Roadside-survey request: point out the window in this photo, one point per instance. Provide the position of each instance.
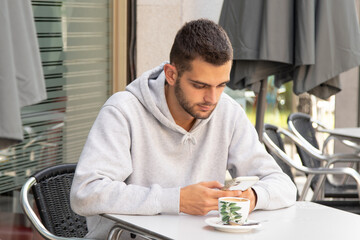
(74, 38)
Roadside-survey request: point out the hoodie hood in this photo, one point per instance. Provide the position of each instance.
(149, 89)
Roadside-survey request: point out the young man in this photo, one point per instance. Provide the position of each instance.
(164, 144)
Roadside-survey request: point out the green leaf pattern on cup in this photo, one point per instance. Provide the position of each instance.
(229, 213)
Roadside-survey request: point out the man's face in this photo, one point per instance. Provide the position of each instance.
(198, 91)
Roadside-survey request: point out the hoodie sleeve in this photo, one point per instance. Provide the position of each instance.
(248, 157)
(104, 165)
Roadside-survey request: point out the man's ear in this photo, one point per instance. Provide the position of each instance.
(171, 74)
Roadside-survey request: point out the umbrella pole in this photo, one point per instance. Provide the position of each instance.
(260, 108)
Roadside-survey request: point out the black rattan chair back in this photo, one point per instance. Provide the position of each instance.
(52, 198)
(302, 124)
(271, 131)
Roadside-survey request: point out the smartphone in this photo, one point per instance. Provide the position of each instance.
(241, 183)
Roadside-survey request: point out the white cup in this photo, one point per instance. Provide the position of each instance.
(234, 210)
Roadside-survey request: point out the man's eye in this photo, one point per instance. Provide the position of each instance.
(198, 86)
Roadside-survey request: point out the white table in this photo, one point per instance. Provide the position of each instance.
(304, 220)
(351, 134)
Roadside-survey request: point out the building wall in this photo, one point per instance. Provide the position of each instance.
(347, 101)
(347, 108)
(157, 24)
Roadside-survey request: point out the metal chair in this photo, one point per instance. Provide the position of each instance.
(304, 128)
(271, 132)
(274, 144)
(51, 189)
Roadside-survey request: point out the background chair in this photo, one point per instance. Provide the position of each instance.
(51, 189)
(303, 127)
(271, 132)
(274, 144)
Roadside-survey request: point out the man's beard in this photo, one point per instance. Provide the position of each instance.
(180, 96)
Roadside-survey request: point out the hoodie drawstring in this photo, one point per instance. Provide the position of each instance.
(189, 138)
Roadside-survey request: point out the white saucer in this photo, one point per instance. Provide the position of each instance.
(218, 225)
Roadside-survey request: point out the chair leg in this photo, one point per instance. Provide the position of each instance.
(306, 187)
(346, 177)
(317, 191)
(115, 233)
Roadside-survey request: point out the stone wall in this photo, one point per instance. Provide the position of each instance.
(159, 20)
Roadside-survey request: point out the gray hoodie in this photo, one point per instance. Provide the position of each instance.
(136, 158)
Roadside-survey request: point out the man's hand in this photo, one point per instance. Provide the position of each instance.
(251, 195)
(200, 198)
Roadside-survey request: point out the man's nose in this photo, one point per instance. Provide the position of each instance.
(211, 96)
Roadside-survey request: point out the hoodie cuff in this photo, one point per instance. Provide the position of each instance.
(263, 197)
(170, 200)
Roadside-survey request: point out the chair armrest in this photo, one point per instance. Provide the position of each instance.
(345, 142)
(322, 128)
(342, 158)
(316, 153)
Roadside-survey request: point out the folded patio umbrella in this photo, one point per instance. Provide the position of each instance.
(21, 75)
(310, 42)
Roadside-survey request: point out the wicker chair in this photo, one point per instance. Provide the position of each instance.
(51, 189)
(302, 125)
(274, 144)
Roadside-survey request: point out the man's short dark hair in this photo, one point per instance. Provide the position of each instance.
(200, 38)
